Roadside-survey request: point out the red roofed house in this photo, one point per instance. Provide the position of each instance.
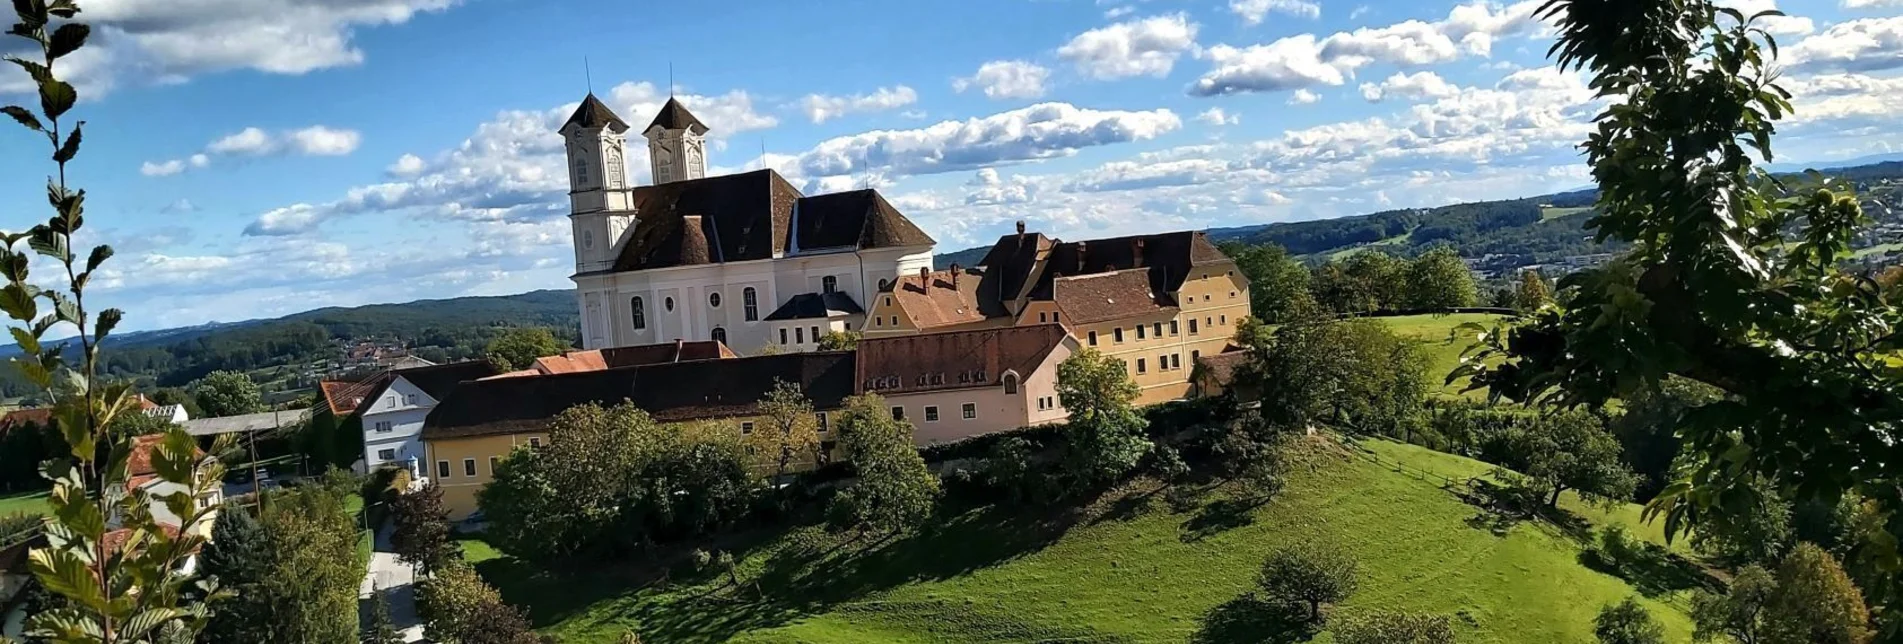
(142, 475)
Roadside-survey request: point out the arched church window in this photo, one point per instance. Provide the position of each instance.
(713, 300)
(751, 301)
(581, 170)
(614, 168)
(638, 312)
(720, 335)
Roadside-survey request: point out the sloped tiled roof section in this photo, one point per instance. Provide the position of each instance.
(854, 219)
(674, 116)
(671, 392)
(815, 306)
(729, 218)
(941, 298)
(956, 360)
(1086, 299)
(345, 397)
(593, 113)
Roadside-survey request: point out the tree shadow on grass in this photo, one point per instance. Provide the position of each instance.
(1220, 516)
(1252, 620)
(1650, 569)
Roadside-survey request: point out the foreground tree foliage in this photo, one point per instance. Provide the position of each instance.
(611, 480)
(1734, 279)
(1627, 622)
(458, 607)
(122, 592)
(1310, 574)
(894, 490)
(1394, 628)
(1105, 437)
(518, 347)
(1356, 375)
(227, 393)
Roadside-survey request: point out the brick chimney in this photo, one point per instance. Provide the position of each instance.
(954, 272)
(1020, 228)
(924, 278)
(1082, 250)
(1136, 252)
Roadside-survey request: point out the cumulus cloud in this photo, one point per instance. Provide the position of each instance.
(1406, 87)
(1001, 79)
(821, 108)
(1253, 11)
(169, 42)
(1039, 131)
(407, 165)
(1305, 61)
(989, 189)
(316, 140)
(1147, 47)
(1867, 44)
(1139, 175)
(1215, 116)
(1304, 97)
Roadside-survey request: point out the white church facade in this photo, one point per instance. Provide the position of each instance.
(744, 259)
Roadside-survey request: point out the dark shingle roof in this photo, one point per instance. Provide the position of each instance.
(593, 113)
(436, 380)
(751, 216)
(807, 306)
(670, 392)
(958, 360)
(674, 116)
(855, 218)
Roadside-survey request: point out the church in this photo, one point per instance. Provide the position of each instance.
(744, 259)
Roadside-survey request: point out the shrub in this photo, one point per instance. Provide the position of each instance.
(1309, 574)
(1627, 623)
(1394, 628)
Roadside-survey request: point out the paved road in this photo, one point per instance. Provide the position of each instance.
(397, 581)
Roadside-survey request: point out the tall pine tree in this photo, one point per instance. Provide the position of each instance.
(239, 556)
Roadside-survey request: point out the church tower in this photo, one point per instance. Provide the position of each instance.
(598, 191)
(676, 144)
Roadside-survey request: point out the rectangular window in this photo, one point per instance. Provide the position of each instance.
(782, 336)
(1192, 326)
(898, 413)
(1208, 321)
(493, 462)
(1225, 320)
(819, 420)
(442, 469)
(390, 402)
(1116, 335)
(1053, 316)
(1163, 362)
(931, 413)
(469, 467)
(386, 455)
(1193, 355)
(1093, 338)
(746, 429)
(1172, 327)
(1176, 359)
(535, 442)
(383, 426)
(1040, 318)
(815, 334)
(799, 336)
(970, 410)
(1140, 330)
(1142, 367)
(1157, 329)
(411, 399)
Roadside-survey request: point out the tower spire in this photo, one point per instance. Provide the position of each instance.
(588, 74)
(670, 79)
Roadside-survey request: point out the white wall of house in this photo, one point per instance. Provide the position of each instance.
(160, 489)
(393, 425)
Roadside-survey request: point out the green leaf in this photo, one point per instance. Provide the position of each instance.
(48, 242)
(67, 39)
(34, 70)
(68, 311)
(108, 320)
(100, 254)
(18, 303)
(25, 117)
(71, 148)
(56, 96)
(32, 12)
(28, 343)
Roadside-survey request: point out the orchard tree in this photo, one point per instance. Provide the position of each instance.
(420, 528)
(1738, 614)
(1310, 574)
(1105, 436)
(1353, 374)
(1570, 451)
(122, 592)
(1278, 283)
(227, 393)
(1532, 292)
(1627, 622)
(1438, 279)
(1736, 278)
(518, 347)
(894, 490)
(791, 432)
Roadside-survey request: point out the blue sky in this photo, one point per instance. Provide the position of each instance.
(251, 158)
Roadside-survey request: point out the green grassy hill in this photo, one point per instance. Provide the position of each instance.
(1134, 570)
(1443, 351)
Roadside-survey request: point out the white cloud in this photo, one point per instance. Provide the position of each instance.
(1779, 26)
(988, 189)
(1215, 116)
(288, 220)
(1006, 79)
(1406, 87)
(1138, 175)
(1304, 96)
(1253, 11)
(407, 165)
(1871, 4)
(1114, 13)
(169, 42)
(318, 140)
(1147, 47)
(725, 114)
(1039, 131)
(1289, 63)
(821, 108)
(1866, 44)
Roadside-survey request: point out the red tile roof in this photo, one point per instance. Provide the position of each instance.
(940, 299)
(956, 360)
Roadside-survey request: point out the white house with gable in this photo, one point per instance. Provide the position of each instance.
(744, 258)
(393, 412)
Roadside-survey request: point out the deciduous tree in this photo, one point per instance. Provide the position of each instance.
(458, 607)
(1737, 615)
(1815, 602)
(1311, 574)
(792, 431)
(1278, 284)
(1570, 451)
(1627, 622)
(381, 629)
(419, 528)
(227, 393)
(839, 341)
(1353, 374)
(315, 569)
(1532, 292)
(518, 347)
(894, 490)
(1439, 280)
(1105, 437)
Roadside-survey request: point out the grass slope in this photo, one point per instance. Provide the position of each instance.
(1443, 351)
(1136, 572)
(24, 503)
